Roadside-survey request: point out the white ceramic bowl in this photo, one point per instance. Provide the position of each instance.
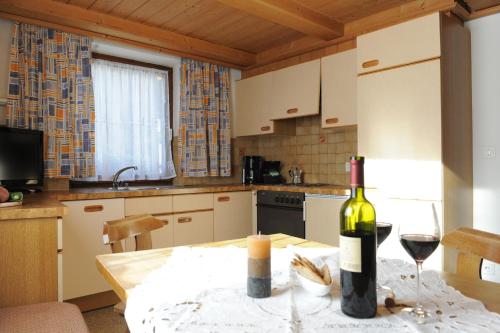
(317, 289)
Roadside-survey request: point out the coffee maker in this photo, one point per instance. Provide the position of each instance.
(252, 169)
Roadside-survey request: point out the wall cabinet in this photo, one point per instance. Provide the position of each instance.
(400, 130)
(400, 44)
(232, 215)
(322, 217)
(414, 118)
(338, 89)
(82, 236)
(295, 91)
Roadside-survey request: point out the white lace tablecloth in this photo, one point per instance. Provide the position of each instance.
(204, 290)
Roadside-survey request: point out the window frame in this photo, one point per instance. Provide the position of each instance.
(169, 70)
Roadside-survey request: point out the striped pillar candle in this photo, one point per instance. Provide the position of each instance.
(259, 266)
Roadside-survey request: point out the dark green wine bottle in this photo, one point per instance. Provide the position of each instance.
(358, 246)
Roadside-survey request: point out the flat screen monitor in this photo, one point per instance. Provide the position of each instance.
(21, 158)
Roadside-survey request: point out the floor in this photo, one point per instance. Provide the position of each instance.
(105, 321)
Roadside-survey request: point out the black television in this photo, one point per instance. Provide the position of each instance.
(21, 159)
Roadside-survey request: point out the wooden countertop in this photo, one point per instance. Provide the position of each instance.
(48, 204)
(124, 271)
(37, 205)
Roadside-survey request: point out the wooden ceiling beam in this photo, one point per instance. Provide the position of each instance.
(61, 14)
(291, 14)
(354, 28)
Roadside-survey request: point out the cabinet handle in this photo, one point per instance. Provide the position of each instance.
(184, 219)
(370, 63)
(332, 120)
(223, 199)
(294, 110)
(93, 208)
(265, 128)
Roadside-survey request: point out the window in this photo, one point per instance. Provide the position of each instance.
(133, 116)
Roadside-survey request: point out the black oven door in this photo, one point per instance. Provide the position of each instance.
(275, 219)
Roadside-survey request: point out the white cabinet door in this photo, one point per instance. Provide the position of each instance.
(296, 91)
(232, 215)
(253, 105)
(193, 228)
(338, 89)
(404, 43)
(163, 237)
(399, 131)
(323, 219)
(82, 236)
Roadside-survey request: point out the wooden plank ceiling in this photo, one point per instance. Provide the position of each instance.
(239, 33)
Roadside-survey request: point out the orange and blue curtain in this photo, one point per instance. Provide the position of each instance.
(205, 120)
(50, 89)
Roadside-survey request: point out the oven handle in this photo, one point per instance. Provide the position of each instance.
(279, 207)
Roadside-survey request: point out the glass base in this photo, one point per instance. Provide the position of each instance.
(418, 314)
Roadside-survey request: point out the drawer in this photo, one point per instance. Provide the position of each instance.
(404, 43)
(149, 205)
(190, 202)
(193, 228)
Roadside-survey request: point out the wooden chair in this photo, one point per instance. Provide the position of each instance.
(137, 226)
(473, 246)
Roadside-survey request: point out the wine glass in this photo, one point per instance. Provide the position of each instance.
(383, 231)
(420, 240)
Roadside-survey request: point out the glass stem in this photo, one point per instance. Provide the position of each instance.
(418, 306)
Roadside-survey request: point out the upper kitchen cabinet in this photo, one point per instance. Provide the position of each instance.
(406, 43)
(295, 91)
(415, 118)
(338, 89)
(253, 105)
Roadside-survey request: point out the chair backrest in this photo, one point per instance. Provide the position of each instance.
(137, 226)
(473, 246)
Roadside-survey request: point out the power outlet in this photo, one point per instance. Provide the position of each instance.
(488, 152)
(490, 271)
(347, 167)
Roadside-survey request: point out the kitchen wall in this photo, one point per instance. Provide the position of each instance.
(486, 120)
(320, 153)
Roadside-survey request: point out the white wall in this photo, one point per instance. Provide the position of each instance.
(485, 39)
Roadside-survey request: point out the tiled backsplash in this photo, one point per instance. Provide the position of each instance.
(321, 153)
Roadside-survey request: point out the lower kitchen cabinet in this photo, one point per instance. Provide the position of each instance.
(193, 227)
(161, 208)
(322, 215)
(82, 235)
(232, 215)
(28, 261)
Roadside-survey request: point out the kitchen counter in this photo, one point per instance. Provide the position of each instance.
(48, 204)
(37, 205)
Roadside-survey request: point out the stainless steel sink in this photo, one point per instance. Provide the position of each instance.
(140, 188)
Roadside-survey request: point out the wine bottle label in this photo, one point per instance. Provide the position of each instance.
(350, 254)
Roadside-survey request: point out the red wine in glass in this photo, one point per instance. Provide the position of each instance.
(419, 247)
(383, 231)
(420, 239)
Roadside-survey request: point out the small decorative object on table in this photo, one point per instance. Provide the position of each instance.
(317, 281)
(259, 266)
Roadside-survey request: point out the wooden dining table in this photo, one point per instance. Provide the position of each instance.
(126, 270)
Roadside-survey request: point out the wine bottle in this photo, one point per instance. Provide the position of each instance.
(358, 265)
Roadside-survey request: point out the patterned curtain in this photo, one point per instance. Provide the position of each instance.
(50, 89)
(205, 120)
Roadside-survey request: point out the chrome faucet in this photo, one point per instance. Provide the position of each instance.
(116, 183)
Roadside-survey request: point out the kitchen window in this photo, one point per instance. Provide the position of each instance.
(133, 111)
